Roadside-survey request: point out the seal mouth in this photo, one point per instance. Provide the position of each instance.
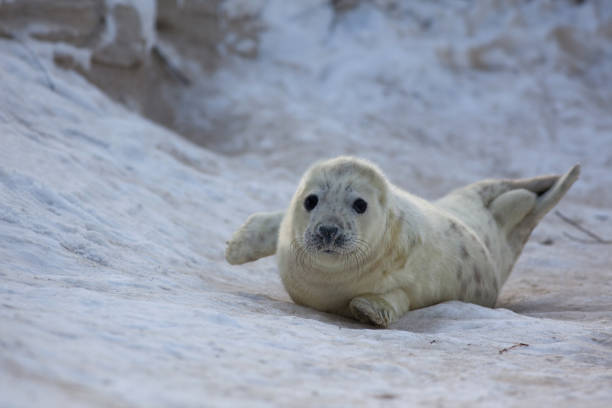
(326, 245)
(334, 248)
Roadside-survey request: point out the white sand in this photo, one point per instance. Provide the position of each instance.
(113, 286)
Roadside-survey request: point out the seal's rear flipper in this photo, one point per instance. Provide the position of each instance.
(528, 200)
(256, 239)
(511, 207)
(547, 200)
(544, 202)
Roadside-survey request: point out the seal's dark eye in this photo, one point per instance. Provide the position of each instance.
(311, 202)
(360, 206)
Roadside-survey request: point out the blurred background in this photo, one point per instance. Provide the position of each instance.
(490, 87)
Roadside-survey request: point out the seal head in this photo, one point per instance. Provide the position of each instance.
(337, 212)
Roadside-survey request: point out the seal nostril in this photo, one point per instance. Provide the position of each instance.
(328, 232)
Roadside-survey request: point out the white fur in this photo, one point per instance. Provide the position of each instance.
(417, 253)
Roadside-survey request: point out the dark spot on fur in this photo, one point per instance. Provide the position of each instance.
(459, 272)
(489, 192)
(454, 226)
(477, 275)
(485, 191)
(464, 252)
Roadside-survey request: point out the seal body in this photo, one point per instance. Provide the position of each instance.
(353, 244)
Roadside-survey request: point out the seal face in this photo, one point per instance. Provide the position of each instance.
(353, 244)
(332, 216)
(328, 233)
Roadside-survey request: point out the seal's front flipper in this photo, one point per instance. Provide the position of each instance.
(380, 310)
(256, 239)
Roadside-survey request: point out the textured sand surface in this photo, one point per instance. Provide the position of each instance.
(113, 286)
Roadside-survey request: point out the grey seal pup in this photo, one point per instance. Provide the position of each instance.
(353, 244)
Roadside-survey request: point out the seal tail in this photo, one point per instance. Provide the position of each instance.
(519, 210)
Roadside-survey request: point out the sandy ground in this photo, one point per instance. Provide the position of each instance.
(114, 290)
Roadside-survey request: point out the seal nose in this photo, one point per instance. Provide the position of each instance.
(328, 232)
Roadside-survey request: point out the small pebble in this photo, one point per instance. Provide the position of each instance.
(547, 241)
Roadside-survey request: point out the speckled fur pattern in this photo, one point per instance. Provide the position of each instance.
(414, 254)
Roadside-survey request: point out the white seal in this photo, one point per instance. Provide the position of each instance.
(353, 244)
